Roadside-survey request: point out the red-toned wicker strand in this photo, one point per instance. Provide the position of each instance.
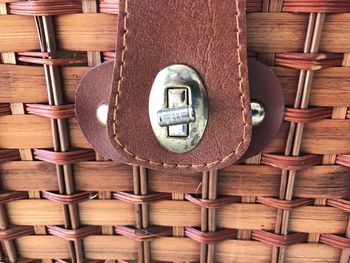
(16, 232)
(343, 159)
(12, 196)
(5, 109)
(284, 204)
(254, 6)
(309, 61)
(214, 203)
(45, 7)
(139, 235)
(307, 115)
(335, 241)
(210, 237)
(141, 199)
(319, 6)
(64, 158)
(67, 199)
(9, 155)
(51, 111)
(340, 203)
(108, 56)
(72, 235)
(278, 240)
(292, 163)
(109, 6)
(32, 57)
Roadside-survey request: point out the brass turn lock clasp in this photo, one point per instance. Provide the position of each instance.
(178, 108)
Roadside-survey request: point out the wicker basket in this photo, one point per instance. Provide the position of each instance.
(62, 202)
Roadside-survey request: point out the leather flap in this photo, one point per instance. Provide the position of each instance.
(210, 37)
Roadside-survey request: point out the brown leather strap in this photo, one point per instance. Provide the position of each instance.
(112, 6)
(145, 46)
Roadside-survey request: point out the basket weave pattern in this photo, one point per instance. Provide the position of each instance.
(61, 202)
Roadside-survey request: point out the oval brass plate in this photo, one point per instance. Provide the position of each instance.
(168, 84)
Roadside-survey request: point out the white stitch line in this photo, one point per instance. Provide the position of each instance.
(240, 89)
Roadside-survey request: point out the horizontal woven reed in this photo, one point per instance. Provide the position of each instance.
(61, 202)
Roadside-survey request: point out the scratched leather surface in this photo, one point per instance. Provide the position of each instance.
(210, 37)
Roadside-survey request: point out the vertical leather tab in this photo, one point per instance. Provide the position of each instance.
(210, 37)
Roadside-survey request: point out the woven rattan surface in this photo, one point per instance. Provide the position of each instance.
(61, 202)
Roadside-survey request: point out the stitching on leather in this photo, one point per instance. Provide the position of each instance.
(238, 50)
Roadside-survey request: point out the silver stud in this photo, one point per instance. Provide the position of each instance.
(101, 113)
(258, 113)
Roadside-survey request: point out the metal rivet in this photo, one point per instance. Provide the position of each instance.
(258, 113)
(101, 113)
